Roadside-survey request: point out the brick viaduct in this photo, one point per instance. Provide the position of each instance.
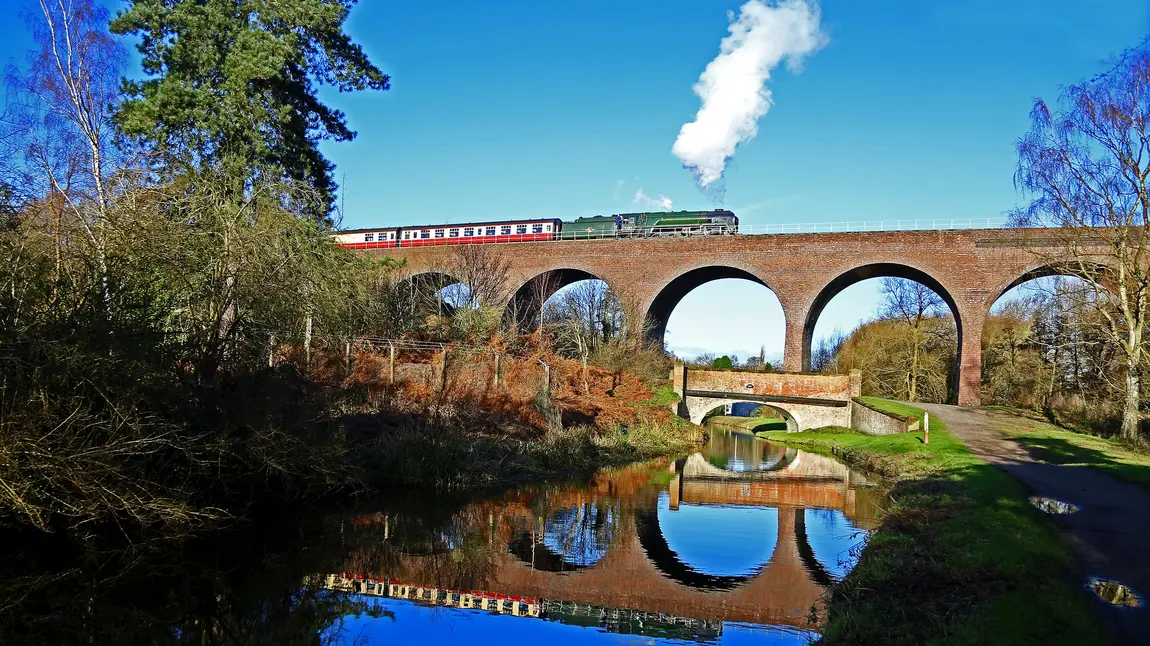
(969, 269)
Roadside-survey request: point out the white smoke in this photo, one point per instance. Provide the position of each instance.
(733, 86)
(662, 201)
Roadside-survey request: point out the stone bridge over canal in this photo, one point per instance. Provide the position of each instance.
(969, 269)
(805, 401)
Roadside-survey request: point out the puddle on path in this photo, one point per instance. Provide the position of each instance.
(1053, 505)
(1115, 593)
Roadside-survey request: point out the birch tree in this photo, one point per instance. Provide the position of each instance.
(1085, 164)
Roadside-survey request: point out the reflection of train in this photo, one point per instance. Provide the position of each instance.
(614, 620)
(500, 603)
(620, 225)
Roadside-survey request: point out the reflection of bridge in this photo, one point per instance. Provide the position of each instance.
(640, 570)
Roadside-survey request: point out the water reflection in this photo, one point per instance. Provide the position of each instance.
(734, 543)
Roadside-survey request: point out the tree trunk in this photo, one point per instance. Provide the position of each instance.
(1130, 409)
(307, 338)
(912, 383)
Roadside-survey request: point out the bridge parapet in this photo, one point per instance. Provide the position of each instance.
(776, 384)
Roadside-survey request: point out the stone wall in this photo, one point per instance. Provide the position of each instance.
(872, 421)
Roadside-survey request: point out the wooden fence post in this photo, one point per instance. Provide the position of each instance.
(443, 369)
(926, 428)
(391, 363)
(497, 358)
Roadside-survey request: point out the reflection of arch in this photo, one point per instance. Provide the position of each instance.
(667, 561)
(526, 305)
(665, 301)
(792, 423)
(807, 553)
(571, 538)
(876, 270)
(539, 556)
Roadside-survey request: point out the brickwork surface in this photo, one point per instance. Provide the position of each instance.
(970, 269)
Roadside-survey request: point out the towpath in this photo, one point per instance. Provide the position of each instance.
(1110, 535)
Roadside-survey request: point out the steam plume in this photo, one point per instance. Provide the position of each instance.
(662, 201)
(733, 86)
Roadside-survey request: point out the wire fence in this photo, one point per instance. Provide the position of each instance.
(465, 370)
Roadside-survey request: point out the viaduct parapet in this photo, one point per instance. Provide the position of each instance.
(969, 269)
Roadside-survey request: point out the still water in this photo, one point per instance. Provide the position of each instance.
(734, 544)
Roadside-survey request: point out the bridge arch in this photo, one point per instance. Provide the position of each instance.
(525, 306)
(789, 417)
(664, 302)
(425, 287)
(877, 270)
(1044, 270)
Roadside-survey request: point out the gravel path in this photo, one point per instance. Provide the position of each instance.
(1110, 535)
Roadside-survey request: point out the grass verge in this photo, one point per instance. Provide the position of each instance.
(1057, 445)
(961, 556)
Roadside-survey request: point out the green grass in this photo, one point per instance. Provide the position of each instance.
(961, 556)
(1051, 443)
(750, 424)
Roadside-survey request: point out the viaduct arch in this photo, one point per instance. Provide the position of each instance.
(969, 269)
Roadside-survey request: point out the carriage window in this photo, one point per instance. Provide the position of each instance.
(439, 233)
(425, 234)
(536, 228)
(391, 236)
(521, 229)
(490, 231)
(504, 231)
(469, 231)
(547, 227)
(406, 235)
(368, 237)
(453, 233)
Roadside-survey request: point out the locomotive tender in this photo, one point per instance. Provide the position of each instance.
(620, 225)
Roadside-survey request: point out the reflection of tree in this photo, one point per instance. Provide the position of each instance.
(242, 588)
(583, 533)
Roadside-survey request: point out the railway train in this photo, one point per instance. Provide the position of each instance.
(620, 225)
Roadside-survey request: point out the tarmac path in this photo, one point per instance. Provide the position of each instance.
(1110, 534)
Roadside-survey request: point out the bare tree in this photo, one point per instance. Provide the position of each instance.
(483, 273)
(584, 317)
(916, 306)
(825, 357)
(1087, 166)
(66, 99)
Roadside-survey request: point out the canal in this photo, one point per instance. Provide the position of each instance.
(734, 544)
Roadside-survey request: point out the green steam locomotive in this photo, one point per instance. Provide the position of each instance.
(650, 225)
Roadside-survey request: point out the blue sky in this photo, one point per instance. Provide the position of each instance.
(529, 109)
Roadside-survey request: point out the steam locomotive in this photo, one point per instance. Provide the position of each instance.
(620, 225)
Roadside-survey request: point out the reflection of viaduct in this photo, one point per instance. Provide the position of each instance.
(640, 569)
(968, 269)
